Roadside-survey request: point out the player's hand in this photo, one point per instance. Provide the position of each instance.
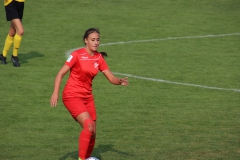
(53, 100)
(124, 81)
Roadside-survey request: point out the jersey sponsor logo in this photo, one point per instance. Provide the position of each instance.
(89, 59)
(95, 64)
(69, 58)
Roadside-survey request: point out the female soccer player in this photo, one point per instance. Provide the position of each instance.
(14, 13)
(84, 64)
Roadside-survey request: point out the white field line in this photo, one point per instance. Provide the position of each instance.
(164, 39)
(172, 38)
(177, 83)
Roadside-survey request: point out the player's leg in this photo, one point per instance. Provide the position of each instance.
(18, 36)
(92, 142)
(87, 132)
(17, 40)
(8, 43)
(92, 111)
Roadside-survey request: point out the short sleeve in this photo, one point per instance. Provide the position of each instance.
(103, 65)
(72, 59)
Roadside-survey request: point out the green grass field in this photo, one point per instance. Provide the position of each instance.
(183, 62)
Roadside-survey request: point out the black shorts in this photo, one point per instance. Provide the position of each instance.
(14, 10)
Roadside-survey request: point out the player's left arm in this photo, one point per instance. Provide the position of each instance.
(115, 80)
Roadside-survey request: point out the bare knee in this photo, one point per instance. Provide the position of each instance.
(12, 32)
(17, 27)
(20, 32)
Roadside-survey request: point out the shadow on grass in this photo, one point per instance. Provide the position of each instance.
(30, 55)
(96, 152)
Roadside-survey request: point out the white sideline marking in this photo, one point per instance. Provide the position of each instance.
(164, 39)
(178, 83)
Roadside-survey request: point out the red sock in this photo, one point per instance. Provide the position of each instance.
(84, 138)
(90, 147)
(83, 142)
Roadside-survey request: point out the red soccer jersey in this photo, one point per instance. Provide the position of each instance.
(83, 69)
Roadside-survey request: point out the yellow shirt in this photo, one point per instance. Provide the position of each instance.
(6, 2)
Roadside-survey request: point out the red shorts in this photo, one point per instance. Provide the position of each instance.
(77, 106)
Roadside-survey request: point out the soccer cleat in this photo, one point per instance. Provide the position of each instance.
(15, 61)
(92, 158)
(3, 59)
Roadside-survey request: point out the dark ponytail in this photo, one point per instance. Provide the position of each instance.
(104, 54)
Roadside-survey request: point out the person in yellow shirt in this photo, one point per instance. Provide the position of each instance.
(14, 13)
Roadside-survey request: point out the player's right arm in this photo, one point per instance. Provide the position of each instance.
(57, 82)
